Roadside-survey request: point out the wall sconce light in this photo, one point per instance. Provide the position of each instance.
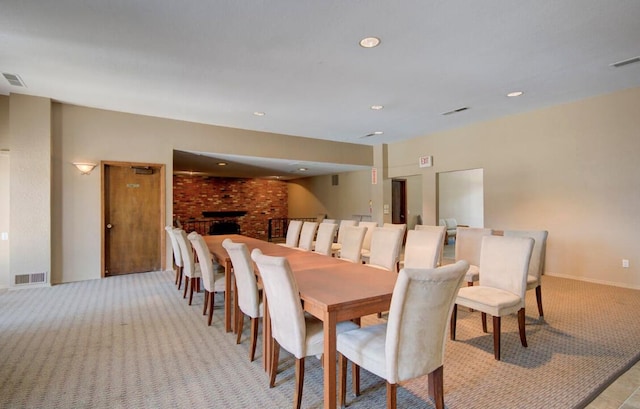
(84, 168)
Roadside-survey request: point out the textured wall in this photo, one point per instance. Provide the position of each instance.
(262, 199)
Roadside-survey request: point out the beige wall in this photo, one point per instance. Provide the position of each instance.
(571, 169)
(4, 122)
(461, 197)
(4, 190)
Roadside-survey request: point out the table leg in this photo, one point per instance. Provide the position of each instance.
(329, 357)
(227, 296)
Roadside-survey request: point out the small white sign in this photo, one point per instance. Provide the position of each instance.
(425, 161)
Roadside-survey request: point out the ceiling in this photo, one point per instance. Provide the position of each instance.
(300, 62)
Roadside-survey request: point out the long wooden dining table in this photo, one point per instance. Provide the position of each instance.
(331, 290)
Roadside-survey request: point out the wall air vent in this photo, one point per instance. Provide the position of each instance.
(455, 111)
(33, 278)
(14, 80)
(625, 62)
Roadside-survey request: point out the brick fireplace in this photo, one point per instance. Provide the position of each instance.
(224, 200)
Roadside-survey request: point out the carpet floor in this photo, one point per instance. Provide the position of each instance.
(133, 342)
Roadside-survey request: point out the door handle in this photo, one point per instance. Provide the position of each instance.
(109, 225)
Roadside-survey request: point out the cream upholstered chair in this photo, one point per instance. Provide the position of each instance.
(307, 233)
(504, 263)
(331, 221)
(536, 265)
(191, 270)
(385, 248)
(177, 255)
(213, 282)
(452, 228)
(403, 228)
(300, 334)
(352, 238)
(423, 247)
(293, 233)
(248, 294)
(400, 350)
(324, 238)
(468, 247)
(335, 247)
(366, 243)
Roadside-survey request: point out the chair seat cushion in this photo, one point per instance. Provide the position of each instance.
(493, 301)
(336, 246)
(315, 335)
(366, 348)
(472, 274)
(532, 282)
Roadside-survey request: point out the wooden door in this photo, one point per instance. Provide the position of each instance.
(398, 201)
(133, 218)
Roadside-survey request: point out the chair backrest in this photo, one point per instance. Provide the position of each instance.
(204, 260)
(307, 234)
(352, 238)
(186, 250)
(177, 254)
(536, 265)
(366, 243)
(423, 247)
(469, 244)
(332, 221)
(385, 247)
(324, 238)
(451, 223)
(293, 233)
(345, 223)
(504, 263)
(248, 295)
(287, 317)
(424, 296)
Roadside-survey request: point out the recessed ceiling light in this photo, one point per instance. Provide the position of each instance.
(222, 163)
(378, 132)
(515, 94)
(258, 113)
(303, 169)
(369, 42)
(377, 107)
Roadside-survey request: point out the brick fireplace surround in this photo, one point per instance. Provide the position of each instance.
(262, 200)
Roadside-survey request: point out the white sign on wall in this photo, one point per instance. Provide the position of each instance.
(425, 161)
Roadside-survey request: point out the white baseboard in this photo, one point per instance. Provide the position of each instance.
(592, 280)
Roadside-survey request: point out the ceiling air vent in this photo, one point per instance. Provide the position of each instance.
(455, 111)
(14, 80)
(625, 62)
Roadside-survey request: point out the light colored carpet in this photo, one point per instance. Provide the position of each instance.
(132, 341)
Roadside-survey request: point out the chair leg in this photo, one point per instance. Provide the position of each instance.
(496, 338)
(436, 387)
(177, 273)
(342, 380)
(179, 280)
(297, 397)
(392, 389)
(275, 352)
(239, 325)
(355, 379)
(523, 335)
(211, 296)
(186, 285)
(193, 283)
(452, 325)
(254, 338)
(206, 302)
(539, 299)
(484, 322)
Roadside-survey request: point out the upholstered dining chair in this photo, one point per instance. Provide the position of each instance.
(400, 350)
(291, 328)
(366, 243)
(504, 263)
(536, 265)
(293, 233)
(307, 234)
(352, 238)
(468, 248)
(177, 255)
(191, 270)
(324, 238)
(213, 282)
(385, 248)
(403, 227)
(423, 247)
(335, 247)
(248, 294)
